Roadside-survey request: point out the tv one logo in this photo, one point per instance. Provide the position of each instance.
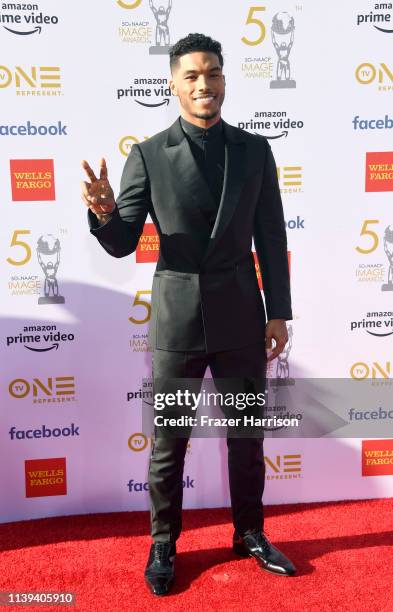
(33, 81)
(290, 178)
(362, 370)
(138, 442)
(125, 144)
(129, 5)
(283, 467)
(380, 74)
(60, 386)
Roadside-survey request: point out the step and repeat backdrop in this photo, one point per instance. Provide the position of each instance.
(88, 80)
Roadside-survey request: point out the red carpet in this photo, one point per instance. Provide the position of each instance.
(343, 552)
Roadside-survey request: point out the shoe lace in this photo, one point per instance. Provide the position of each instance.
(162, 550)
(263, 541)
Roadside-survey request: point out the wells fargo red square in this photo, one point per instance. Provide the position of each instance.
(32, 179)
(46, 477)
(379, 171)
(258, 271)
(377, 457)
(149, 245)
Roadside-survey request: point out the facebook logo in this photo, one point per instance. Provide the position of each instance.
(29, 129)
(134, 486)
(297, 223)
(43, 432)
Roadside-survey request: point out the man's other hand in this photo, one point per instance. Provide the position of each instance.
(276, 330)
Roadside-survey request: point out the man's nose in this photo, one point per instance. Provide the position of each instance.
(202, 84)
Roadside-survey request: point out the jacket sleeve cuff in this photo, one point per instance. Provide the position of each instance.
(99, 229)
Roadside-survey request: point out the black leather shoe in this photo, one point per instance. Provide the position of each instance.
(257, 545)
(160, 570)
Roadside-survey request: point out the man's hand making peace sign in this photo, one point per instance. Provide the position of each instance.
(98, 194)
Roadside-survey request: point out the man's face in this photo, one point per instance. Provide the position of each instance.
(200, 85)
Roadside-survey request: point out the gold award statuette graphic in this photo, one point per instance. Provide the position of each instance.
(48, 254)
(161, 15)
(283, 32)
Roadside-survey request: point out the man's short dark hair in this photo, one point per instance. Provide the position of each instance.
(192, 43)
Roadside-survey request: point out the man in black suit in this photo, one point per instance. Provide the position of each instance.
(209, 188)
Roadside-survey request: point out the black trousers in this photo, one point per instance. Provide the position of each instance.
(246, 466)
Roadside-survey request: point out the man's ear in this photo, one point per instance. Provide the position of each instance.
(172, 87)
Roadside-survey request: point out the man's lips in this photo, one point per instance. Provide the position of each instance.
(205, 99)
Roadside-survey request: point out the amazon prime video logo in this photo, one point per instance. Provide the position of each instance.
(24, 19)
(147, 91)
(39, 338)
(378, 16)
(272, 124)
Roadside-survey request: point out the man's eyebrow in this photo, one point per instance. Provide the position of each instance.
(193, 71)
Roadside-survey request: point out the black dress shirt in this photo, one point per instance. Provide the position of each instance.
(208, 149)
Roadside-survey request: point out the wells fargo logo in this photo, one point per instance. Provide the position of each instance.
(283, 467)
(32, 81)
(258, 271)
(53, 390)
(377, 457)
(32, 179)
(149, 245)
(379, 171)
(46, 477)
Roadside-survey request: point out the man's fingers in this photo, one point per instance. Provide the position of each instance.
(89, 171)
(86, 201)
(268, 342)
(96, 208)
(103, 169)
(275, 352)
(279, 347)
(85, 188)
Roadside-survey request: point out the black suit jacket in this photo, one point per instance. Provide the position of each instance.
(205, 291)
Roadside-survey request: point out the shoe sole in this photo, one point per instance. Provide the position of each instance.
(239, 550)
(170, 585)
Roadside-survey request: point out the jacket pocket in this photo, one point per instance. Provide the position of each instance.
(179, 317)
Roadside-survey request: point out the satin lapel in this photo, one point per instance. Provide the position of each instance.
(235, 167)
(189, 183)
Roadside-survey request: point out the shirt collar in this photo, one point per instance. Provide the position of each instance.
(197, 133)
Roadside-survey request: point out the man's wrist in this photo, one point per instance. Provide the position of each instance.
(104, 217)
